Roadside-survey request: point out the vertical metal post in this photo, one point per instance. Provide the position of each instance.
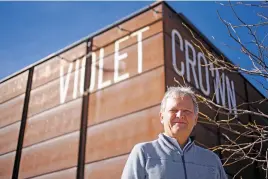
(164, 45)
(16, 166)
(84, 116)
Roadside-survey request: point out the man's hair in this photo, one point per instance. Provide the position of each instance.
(175, 92)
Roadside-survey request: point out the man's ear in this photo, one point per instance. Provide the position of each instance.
(161, 117)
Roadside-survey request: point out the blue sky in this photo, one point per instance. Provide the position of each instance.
(30, 31)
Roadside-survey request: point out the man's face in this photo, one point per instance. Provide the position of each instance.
(178, 116)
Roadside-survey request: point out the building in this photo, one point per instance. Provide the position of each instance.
(78, 112)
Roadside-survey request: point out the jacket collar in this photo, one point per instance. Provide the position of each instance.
(170, 146)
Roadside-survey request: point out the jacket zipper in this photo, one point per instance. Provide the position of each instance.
(184, 167)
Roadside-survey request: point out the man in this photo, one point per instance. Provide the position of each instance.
(174, 155)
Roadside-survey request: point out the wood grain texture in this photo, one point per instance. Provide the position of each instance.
(48, 96)
(64, 174)
(9, 138)
(6, 165)
(57, 121)
(258, 101)
(147, 32)
(173, 21)
(128, 26)
(49, 156)
(152, 56)
(106, 169)
(50, 70)
(11, 111)
(118, 136)
(13, 87)
(126, 97)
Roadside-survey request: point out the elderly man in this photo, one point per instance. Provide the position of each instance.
(174, 155)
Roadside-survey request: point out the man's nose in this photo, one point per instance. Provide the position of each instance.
(179, 114)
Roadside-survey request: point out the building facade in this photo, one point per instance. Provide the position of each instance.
(79, 112)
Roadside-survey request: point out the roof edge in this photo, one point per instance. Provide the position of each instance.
(102, 30)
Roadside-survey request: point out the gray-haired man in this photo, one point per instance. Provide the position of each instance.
(174, 155)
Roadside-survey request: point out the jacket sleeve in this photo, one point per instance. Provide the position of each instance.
(222, 174)
(135, 165)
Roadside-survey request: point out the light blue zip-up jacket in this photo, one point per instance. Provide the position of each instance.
(161, 159)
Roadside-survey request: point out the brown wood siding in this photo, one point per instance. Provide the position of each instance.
(49, 156)
(120, 115)
(46, 112)
(180, 56)
(55, 122)
(12, 94)
(13, 87)
(9, 138)
(129, 26)
(64, 174)
(152, 30)
(152, 57)
(6, 165)
(50, 70)
(119, 136)
(127, 96)
(258, 102)
(106, 169)
(11, 111)
(48, 96)
(172, 21)
(205, 131)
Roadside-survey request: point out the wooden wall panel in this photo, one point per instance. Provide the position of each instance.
(48, 96)
(174, 22)
(238, 83)
(205, 136)
(180, 56)
(50, 70)
(147, 32)
(234, 125)
(237, 165)
(257, 99)
(13, 87)
(49, 156)
(9, 138)
(205, 129)
(76, 52)
(106, 169)
(11, 111)
(128, 26)
(6, 165)
(64, 174)
(152, 57)
(118, 136)
(55, 122)
(127, 96)
(227, 130)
